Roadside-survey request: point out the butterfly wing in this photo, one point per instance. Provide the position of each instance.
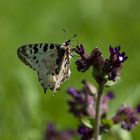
(32, 54)
(47, 60)
(64, 73)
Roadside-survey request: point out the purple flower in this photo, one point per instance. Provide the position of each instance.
(127, 116)
(116, 57)
(80, 50)
(88, 133)
(138, 108)
(110, 95)
(74, 93)
(85, 132)
(53, 134)
(103, 69)
(114, 63)
(83, 102)
(84, 63)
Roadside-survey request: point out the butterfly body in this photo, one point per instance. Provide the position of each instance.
(51, 61)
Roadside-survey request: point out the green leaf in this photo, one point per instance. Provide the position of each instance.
(107, 122)
(89, 122)
(110, 83)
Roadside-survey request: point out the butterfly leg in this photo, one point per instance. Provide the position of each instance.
(45, 89)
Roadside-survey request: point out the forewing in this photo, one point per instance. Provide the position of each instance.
(33, 54)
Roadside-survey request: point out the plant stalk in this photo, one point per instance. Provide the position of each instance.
(98, 112)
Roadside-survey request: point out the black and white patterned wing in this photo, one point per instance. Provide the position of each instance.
(65, 72)
(32, 54)
(44, 58)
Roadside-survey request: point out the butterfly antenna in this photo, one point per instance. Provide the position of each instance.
(70, 39)
(45, 89)
(73, 36)
(64, 33)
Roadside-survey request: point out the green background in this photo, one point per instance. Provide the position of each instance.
(24, 108)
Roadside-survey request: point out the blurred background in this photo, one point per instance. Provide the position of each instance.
(24, 108)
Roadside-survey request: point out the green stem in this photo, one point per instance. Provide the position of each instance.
(98, 110)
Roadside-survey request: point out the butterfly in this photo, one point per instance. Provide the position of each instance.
(50, 61)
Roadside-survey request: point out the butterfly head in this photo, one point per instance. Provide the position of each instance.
(67, 43)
